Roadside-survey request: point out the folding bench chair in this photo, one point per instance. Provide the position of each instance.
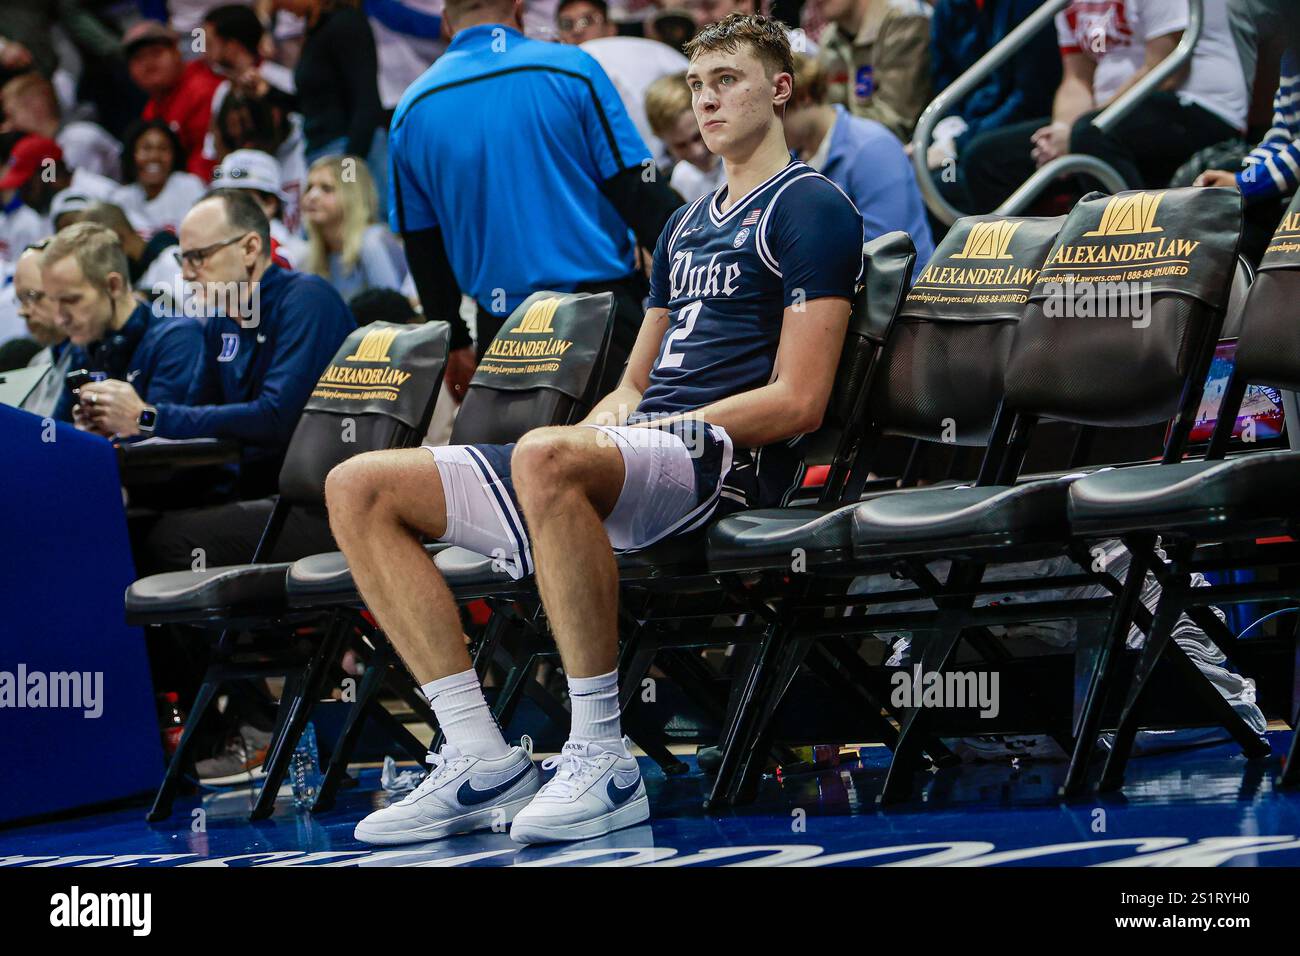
(543, 368)
(670, 593)
(1099, 372)
(378, 392)
(941, 364)
(676, 567)
(1194, 506)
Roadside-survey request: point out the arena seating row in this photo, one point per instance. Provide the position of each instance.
(1013, 322)
(1122, 364)
(1246, 500)
(340, 419)
(378, 393)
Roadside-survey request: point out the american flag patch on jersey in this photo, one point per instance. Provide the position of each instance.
(752, 218)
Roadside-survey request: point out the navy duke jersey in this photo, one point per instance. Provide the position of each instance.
(726, 279)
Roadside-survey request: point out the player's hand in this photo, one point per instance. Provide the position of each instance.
(460, 369)
(113, 407)
(1216, 177)
(1050, 142)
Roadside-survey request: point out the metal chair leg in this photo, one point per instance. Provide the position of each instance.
(744, 786)
(511, 690)
(914, 731)
(747, 699)
(372, 681)
(1161, 646)
(1162, 629)
(310, 686)
(1102, 677)
(163, 799)
(828, 670)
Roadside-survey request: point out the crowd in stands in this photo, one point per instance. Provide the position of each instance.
(153, 149)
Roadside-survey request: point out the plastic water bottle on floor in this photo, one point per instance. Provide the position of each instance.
(304, 770)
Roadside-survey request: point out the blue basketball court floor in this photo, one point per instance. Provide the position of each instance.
(1201, 807)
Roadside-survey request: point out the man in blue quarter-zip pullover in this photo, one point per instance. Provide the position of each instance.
(264, 346)
(85, 275)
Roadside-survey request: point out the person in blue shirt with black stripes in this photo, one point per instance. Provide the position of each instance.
(86, 277)
(514, 168)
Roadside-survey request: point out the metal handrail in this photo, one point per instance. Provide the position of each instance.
(942, 104)
(1098, 169)
(1106, 120)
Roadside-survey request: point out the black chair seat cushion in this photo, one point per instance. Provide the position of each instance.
(1260, 484)
(766, 538)
(674, 557)
(325, 580)
(189, 595)
(470, 574)
(979, 516)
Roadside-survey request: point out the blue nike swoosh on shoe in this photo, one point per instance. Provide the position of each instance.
(619, 795)
(468, 796)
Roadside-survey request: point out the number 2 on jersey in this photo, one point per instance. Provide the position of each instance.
(689, 313)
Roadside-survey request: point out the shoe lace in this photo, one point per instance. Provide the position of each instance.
(438, 763)
(573, 766)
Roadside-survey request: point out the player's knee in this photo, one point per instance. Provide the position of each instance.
(546, 463)
(352, 492)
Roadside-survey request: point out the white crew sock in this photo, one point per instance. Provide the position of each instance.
(595, 710)
(464, 716)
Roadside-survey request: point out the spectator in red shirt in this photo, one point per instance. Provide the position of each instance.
(179, 93)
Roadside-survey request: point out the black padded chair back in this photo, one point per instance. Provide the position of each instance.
(943, 365)
(887, 273)
(543, 368)
(1242, 280)
(377, 393)
(1268, 352)
(1120, 326)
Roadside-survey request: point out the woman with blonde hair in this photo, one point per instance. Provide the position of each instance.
(346, 243)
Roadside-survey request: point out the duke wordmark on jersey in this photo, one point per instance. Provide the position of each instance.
(707, 281)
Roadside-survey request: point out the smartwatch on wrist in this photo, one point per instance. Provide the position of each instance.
(147, 419)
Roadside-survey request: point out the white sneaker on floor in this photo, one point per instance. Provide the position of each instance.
(461, 793)
(593, 791)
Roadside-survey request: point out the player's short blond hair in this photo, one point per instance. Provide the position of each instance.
(765, 37)
(97, 250)
(666, 99)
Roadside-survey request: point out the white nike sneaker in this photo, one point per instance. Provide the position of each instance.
(593, 792)
(461, 793)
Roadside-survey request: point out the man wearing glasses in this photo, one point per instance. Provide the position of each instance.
(38, 313)
(85, 276)
(269, 333)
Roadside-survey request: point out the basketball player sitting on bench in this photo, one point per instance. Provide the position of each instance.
(749, 303)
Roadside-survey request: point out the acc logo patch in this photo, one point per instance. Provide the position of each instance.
(740, 238)
(229, 346)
